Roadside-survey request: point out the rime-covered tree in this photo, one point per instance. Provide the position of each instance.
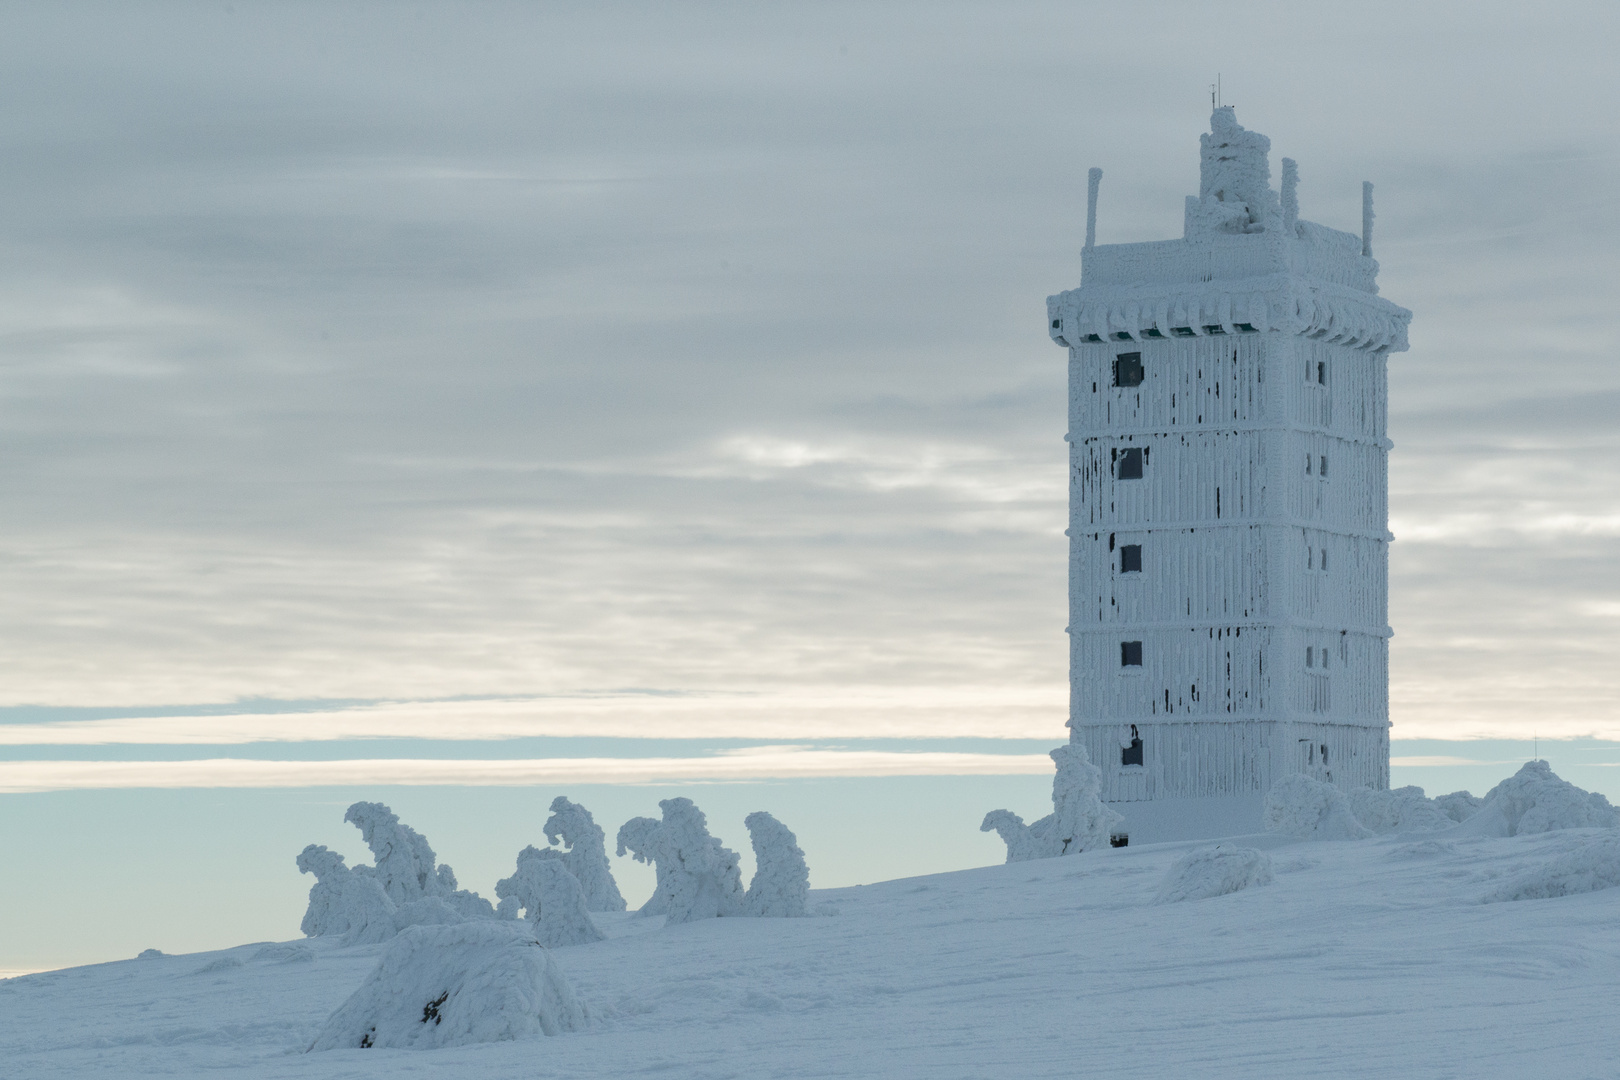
(781, 885)
(404, 861)
(586, 855)
(1078, 822)
(325, 914)
(639, 837)
(551, 898)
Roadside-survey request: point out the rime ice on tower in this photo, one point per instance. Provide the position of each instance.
(1228, 505)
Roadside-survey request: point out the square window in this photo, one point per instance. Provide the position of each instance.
(1130, 654)
(1128, 369)
(1057, 324)
(1130, 559)
(1130, 463)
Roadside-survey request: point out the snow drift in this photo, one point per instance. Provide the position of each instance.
(1535, 800)
(1078, 822)
(1588, 868)
(1214, 871)
(437, 986)
(1308, 809)
(781, 885)
(551, 897)
(697, 877)
(586, 857)
(1400, 810)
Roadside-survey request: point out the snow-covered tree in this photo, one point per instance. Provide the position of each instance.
(697, 877)
(325, 914)
(1078, 822)
(781, 885)
(551, 898)
(404, 861)
(1459, 805)
(586, 857)
(1307, 809)
(639, 836)
(1400, 810)
(1536, 800)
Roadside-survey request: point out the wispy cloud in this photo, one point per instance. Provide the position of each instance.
(754, 763)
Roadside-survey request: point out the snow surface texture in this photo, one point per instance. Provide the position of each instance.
(697, 877)
(1357, 961)
(586, 857)
(781, 885)
(1078, 822)
(1593, 865)
(1214, 871)
(475, 982)
(551, 897)
(1308, 809)
(1534, 800)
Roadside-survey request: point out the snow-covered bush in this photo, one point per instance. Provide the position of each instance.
(1308, 809)
(1214, 871)
(697, 877)
(1459, 805)
(1078, 822)
(1588, 868)
(586, 857)
(325, 914)
(1535, 800)
(367, 911)
(469, 904)
(436, 986)
(1400, 810)
(553, 902)
(404, 861)
(781, 885)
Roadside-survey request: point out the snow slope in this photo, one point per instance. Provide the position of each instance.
(1368, 958)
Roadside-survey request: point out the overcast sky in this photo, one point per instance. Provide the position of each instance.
(510, 383)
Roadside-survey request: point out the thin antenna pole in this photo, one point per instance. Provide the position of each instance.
(1218, 90)
(1366, 217)
(1093, 181)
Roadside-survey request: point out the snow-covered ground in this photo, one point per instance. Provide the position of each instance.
(1361, 958)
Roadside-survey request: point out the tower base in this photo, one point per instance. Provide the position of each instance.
(1159, 820)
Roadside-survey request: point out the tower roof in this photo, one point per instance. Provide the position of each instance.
(1245, 262)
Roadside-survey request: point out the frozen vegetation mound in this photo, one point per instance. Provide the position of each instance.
(1535, 800)
(404, 861)
(552, 900)
(1308, 809)
(586, 857)
(1400, 810)
(781, 885)
(1459, 805)
(437, 986)
(1214, 871)
(326, 912)
(1592, 866)
(697, 877)
(638, 837)
(1078, 822)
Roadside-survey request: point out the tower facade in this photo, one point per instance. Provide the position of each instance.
(1228, 502)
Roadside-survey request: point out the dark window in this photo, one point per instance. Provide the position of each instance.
(1323, 470)
(1324, 559)
(1310, 656)
(1128, 369)
(1321, 372)
(1130, 463)
(1119, 839)
(1120, 335)
(1153, 332)
(1214, 329)
(1130, 654)
(1130, 559)
(1247, 328)
(1307, 464)
(1092, 338)
(1183, 331)
(1132, 754)
(1057, 324)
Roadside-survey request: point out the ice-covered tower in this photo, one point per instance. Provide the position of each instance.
(1228, 505)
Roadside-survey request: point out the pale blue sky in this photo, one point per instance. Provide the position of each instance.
(511, 382)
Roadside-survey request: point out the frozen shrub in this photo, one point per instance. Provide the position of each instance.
(367, 911)
(1078, 822)
(553, 902)
(638, 836)
(437, 986)
(781, 885)
(325, 914)
(1308, 809)
(149, 954)
(586, 857)
(1459, 805)
(1534, 800)
(1588, 868)
(428, 911)
(1401, 810)
(404, 861)
(1214, 871)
